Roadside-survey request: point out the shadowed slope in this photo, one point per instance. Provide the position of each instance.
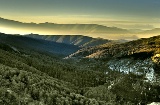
(37, 44)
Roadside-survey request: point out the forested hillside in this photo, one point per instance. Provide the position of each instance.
(144, 45)
(36, 77)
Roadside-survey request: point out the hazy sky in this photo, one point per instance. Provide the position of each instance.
(140, 14)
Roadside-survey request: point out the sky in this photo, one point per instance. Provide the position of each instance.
(129, 14)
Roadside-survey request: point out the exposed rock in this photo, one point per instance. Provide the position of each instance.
(154, 103)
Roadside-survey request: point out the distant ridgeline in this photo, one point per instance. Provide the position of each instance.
(78, 40)
(75, 29)
(66, 29)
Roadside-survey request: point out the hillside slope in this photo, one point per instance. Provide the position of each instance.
(34, 77)
(23, 87)
(134, 56)
(148, 45)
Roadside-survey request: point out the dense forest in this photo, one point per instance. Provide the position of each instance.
(34, 77)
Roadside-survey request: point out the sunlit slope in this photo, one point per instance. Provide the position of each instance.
(144, 45)
(138, 56)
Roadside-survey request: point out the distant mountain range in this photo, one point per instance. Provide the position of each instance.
(93, 30)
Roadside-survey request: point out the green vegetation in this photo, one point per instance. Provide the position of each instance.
(30, 77)
(142, 46)
(19, 87)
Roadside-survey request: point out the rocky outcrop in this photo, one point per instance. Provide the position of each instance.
(156, 60)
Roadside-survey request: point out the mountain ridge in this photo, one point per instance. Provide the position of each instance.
(77, 40)
(93, 30)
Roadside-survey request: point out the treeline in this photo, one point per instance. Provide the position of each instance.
(18, 87)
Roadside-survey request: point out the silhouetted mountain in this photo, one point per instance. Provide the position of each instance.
(92, 30)
(78, 40)
(37, 44)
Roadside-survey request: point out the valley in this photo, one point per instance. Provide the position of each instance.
(78, 70)
(79, 52)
